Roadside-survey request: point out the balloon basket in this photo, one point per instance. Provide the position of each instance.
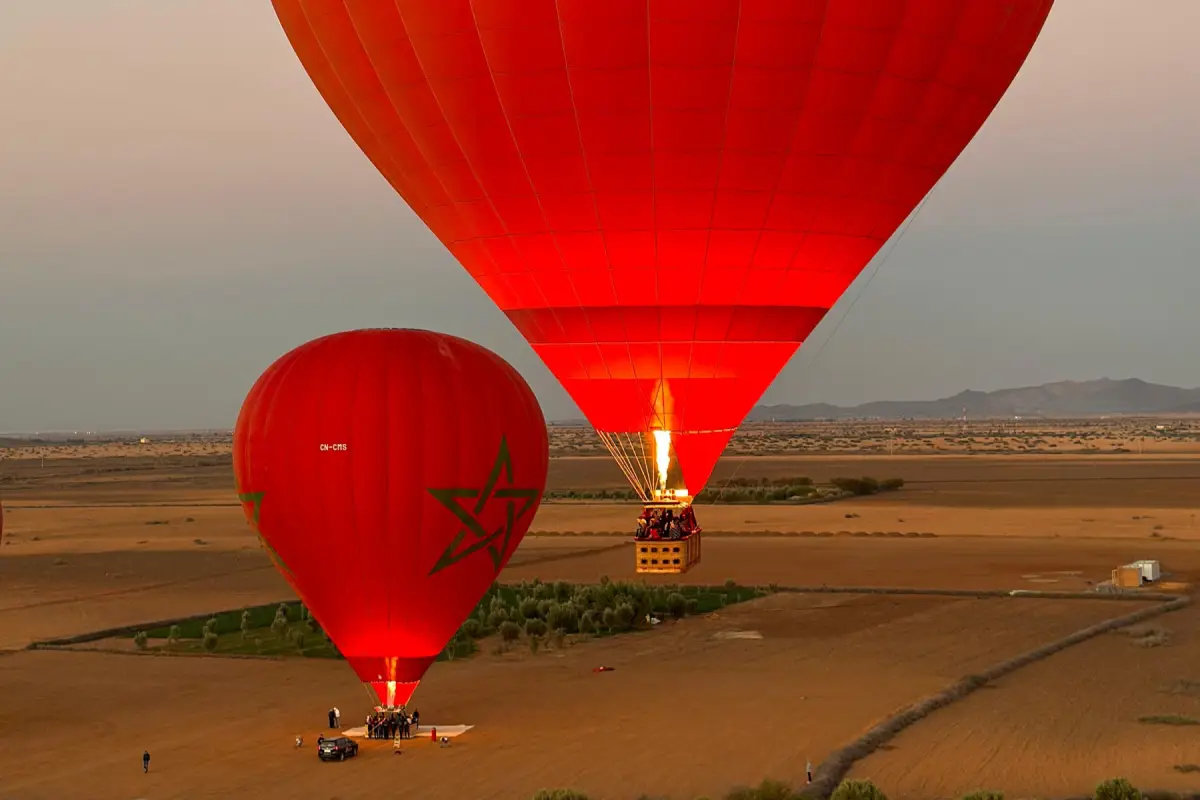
(667, 556)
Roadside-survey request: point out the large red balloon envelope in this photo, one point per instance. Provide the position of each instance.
(390, 474)
(664, 196)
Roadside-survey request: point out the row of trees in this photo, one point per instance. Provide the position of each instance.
(546, 613)
(539, 613)
(792, 488)
(281, 628)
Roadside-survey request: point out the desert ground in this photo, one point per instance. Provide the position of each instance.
(101, 534)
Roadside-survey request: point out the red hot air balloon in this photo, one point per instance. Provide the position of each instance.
(664, 196)
(390, 475)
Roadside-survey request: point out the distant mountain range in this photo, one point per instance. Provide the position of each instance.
(1130, 397)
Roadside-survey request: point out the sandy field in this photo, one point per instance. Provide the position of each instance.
(97, 542)
(1068, 722)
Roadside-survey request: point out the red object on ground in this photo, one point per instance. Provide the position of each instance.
(433, 735)
(664, 196)
(603, 669)
(390, 474)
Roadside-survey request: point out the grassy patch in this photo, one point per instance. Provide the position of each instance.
(534, 613)
(1168, 719)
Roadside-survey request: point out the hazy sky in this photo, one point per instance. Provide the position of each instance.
(178, 208)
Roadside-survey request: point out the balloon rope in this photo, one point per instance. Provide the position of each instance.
(649, 463)
(645, 463)
(617, 457)
(624, 462)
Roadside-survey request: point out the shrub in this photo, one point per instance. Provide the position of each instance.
(856, 486)
(245, 624)
(890, 485)
(535, 627)
(528, 608)
(1117, 789)
(534, 644)
(560, 794)
(985, 794)
(676, 604)
(510, 631)
(767, 790)
(497, 618)
(279, 624)
(587, 622)
(173, 635)
(139, 640)
(564, 617)
(472, 628)
(625, 615)
(857, 790)
(608, 618)
(210, 641)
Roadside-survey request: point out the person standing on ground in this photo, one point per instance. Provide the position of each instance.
(146, 761)
(808, 771)
(337, 717)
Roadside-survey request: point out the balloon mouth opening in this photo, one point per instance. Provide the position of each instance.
(392, 695)
(392, 679)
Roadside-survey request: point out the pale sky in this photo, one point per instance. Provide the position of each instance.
(178, 208)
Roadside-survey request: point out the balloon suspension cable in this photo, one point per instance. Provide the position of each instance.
(629, 451)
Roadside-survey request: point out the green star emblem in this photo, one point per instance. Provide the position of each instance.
(255, 499)
(495, 542)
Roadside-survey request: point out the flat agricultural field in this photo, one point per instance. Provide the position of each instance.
(96, 541)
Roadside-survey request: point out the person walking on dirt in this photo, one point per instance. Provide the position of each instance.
(146, 761)
(808, 771)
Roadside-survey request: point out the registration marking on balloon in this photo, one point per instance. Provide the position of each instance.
(469, 513)
(334, 448)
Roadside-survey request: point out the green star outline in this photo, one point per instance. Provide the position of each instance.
(256, 499)
(470, 517)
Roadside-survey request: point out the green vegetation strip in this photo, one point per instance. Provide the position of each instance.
(1168, 719)
(757, 491)
(535, 613)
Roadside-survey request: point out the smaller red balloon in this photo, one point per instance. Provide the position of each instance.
(390, 475)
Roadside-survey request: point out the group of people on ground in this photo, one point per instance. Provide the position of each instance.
(666, 523)
(392, 724)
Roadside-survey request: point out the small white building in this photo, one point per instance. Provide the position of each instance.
(1150, 570)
